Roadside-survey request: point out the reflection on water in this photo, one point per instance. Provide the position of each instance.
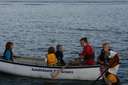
(35, 27)
(14, 80)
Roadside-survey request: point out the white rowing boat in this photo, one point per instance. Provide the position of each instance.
(75, 72)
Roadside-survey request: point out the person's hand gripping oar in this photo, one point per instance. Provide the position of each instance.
(102, 74)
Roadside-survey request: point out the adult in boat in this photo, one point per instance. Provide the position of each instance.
(60, 55)
(8, 53)
(87, 55)
(51, 57)
(110, 59)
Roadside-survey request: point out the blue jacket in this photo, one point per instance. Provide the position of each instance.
(60, 56)
(8, 54)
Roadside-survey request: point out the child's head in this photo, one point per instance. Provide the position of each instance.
(9, 45)
(60, 48)
(51, 50)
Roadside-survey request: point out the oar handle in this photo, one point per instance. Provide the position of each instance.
(100, 76)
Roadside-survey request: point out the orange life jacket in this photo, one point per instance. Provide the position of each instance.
(51, 59)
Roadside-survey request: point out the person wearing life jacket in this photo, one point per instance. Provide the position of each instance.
(51, 57)
(109, 58)
(60, 55)
(8, 53)
(87, 55)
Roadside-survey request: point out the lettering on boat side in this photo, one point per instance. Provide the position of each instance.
(43, 70)
(51, 70)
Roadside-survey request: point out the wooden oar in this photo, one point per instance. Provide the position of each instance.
(93, 83)
(101, 74)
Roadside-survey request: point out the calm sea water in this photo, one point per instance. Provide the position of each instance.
(33, 27)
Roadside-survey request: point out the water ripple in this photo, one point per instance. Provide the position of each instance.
(34, 28)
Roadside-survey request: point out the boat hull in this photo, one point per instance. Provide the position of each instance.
(73, 73)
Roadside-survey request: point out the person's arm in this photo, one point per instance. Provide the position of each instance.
(100, 62)
(46, 58)
(87, 51)
(100, 58)
(14, 55)
(83, 53)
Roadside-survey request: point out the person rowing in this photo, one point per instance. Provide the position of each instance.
(109, 59)
(87, 55)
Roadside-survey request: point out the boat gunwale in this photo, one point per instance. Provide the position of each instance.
(41, 66)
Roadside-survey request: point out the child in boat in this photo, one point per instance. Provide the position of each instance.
(109, 58)
(59, 55)
(8, 53)
(51, 57)
(87, 55)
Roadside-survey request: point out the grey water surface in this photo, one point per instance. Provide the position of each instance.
(34, 26)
